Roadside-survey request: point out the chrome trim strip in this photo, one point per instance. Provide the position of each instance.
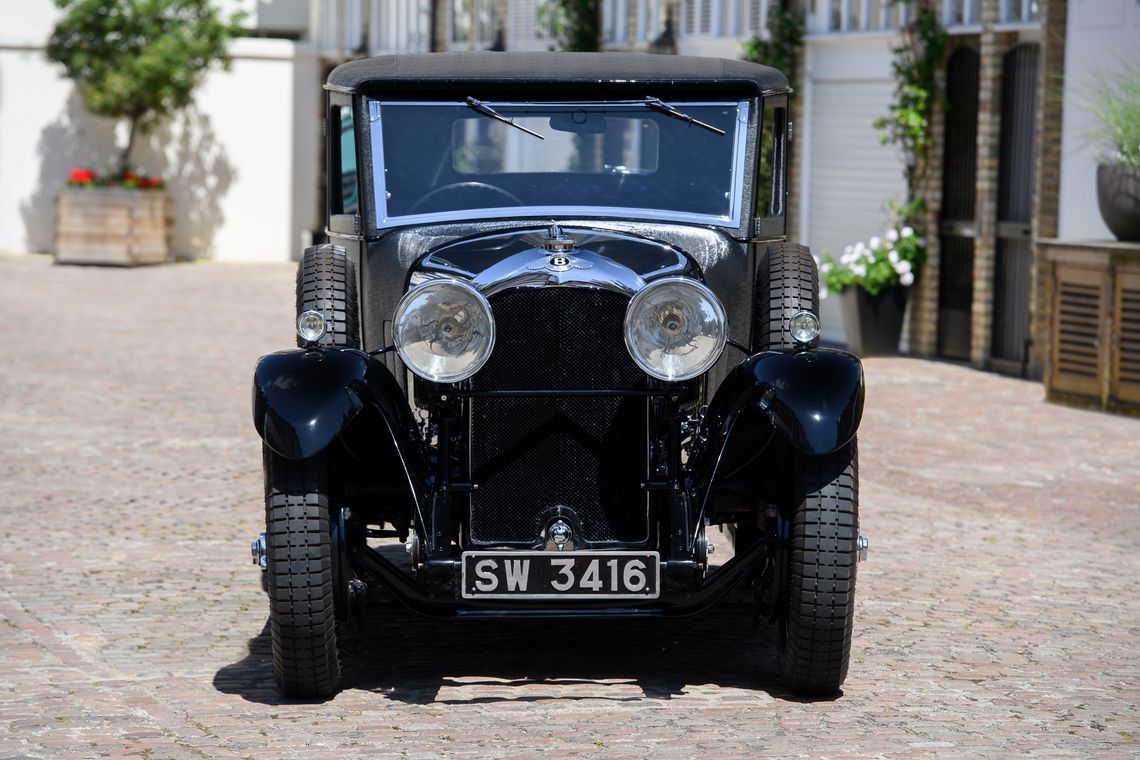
(528, 269)
(578, 212)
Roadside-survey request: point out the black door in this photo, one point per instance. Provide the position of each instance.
(956, 266)
(1010, 339)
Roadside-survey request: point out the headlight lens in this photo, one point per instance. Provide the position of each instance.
(675, 328)
(444, 330)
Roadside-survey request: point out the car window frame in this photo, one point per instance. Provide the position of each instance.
(740, 212)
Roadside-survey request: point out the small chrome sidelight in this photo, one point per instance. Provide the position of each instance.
(805, 327)
(862, 547)
(258, 550)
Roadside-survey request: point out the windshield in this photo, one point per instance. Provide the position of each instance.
(462, 160)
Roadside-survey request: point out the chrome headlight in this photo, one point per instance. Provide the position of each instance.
(444, 330)
(675, 328)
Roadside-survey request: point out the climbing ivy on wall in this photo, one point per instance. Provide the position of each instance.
(909, 120)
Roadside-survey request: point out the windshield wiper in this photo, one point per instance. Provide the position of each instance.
(486, 110)
(657, 105)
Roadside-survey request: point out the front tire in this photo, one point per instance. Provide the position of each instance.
(787, 282)
(300, 574)
(816, 631)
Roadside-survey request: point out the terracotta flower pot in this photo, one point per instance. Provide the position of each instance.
(873, 323)
(1118, 194)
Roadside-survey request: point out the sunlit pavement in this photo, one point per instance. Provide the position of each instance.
(998, 615)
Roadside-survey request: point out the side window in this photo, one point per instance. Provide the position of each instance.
(772, 175)
(770, 182)
(343, 185)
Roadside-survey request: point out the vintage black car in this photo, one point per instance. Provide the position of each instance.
(557, 340)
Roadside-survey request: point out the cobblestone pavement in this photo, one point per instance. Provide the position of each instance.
(999, 613)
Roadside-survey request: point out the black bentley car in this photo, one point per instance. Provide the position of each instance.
(557, 340)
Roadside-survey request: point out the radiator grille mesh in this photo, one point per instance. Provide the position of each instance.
(588, 453)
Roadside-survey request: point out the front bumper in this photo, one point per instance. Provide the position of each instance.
(433, 591)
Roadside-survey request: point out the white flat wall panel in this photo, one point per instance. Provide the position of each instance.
(27, 22)
(710, 47)
(1100, 34)
(240, 164)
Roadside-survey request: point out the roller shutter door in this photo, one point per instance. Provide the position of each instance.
(852, 175)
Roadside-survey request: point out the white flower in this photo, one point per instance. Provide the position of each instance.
(893, 257)
(859, 270)
(907, 232)
(825, 267)
(849, 250)
(875, 242)
(906, 278)
(903, 267)
(847, 258)
(893, 235)
(823, 292)
(859, 248)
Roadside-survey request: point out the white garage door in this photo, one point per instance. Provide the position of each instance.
(852, 175)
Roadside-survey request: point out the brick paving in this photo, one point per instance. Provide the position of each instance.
(999, 614)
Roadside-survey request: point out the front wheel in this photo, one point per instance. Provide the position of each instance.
(816, 630)
(300, 574)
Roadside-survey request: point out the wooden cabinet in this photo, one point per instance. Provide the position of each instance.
(1094, 353)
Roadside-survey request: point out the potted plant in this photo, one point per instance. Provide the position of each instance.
(135, 61)
(1114, 101)
(873, 280)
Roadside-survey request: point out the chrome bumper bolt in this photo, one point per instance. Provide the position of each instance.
(258, 550)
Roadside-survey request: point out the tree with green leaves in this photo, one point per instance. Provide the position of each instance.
(581, 25)
(139, 60)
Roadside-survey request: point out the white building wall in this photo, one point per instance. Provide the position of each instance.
(1100, 34)
(240, 164)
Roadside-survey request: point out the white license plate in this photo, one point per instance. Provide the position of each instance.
(558, 575)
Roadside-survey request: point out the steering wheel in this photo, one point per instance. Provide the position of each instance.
(431, 201)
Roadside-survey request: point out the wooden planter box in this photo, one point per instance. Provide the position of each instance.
(1094, 355)
(113, 226)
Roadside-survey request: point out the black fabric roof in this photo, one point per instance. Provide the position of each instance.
(559, 68)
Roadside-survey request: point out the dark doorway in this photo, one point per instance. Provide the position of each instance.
(1012, 265)
(956, 264)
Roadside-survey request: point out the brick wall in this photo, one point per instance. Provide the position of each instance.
(1050, 85)
(985, 214)
(923, 314)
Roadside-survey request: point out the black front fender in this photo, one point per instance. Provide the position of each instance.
(813, 398)
(302, 400)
